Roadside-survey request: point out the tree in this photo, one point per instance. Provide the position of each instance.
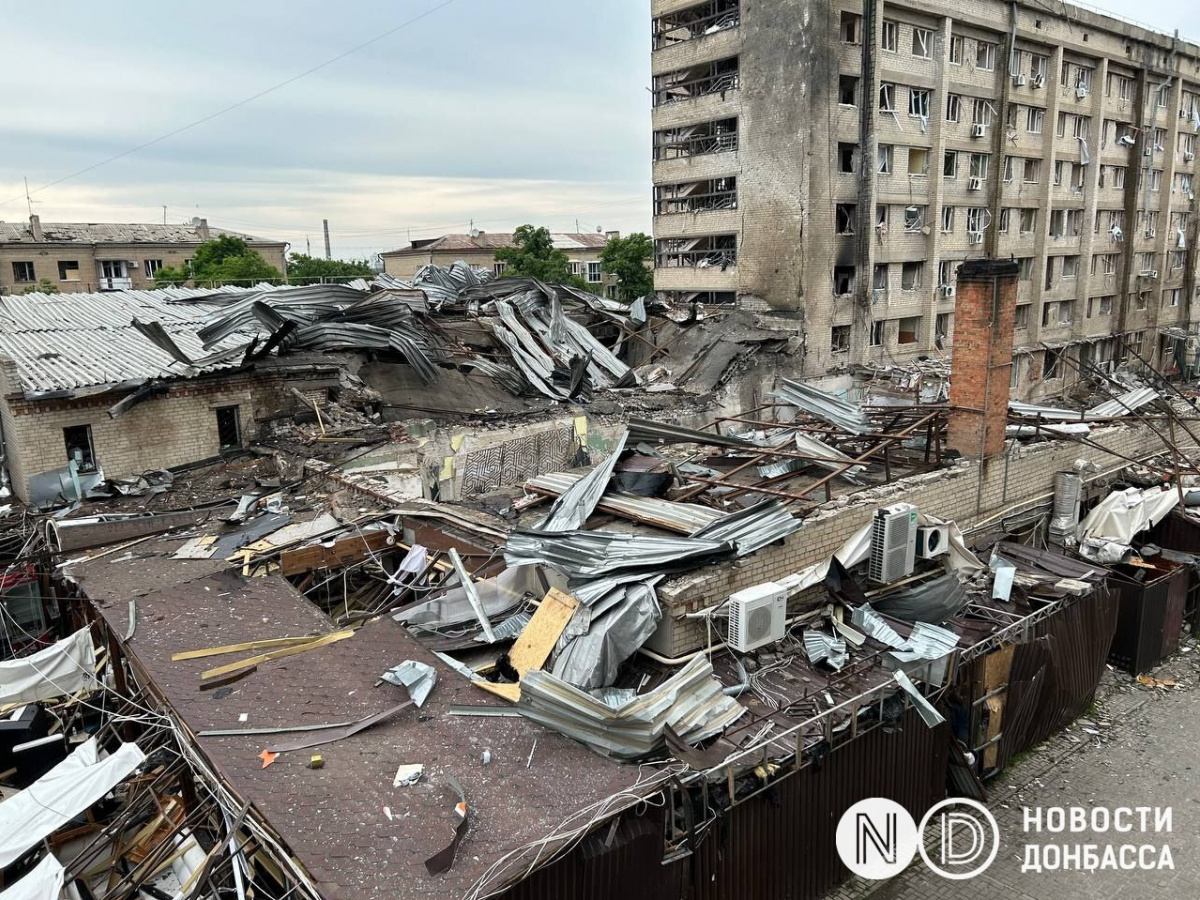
(226, 260)
(626, 258)
(44, 286)
(535, 256)
(305, 269)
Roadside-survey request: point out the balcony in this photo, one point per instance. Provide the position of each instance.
(694, 22)
(115, 284)
(696, 140)
(696, 196)
(716, 77)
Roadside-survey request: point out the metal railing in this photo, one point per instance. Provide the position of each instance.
(678, 144)
(695, 22)
(719, 80)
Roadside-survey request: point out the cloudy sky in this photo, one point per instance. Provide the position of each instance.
(500, 111)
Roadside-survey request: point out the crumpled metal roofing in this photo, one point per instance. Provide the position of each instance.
(1119, 406)
(826, 407)
(684, 518)
(584, 555)
(752, 528)
(822, 646)
(573, 507)
(692, 702)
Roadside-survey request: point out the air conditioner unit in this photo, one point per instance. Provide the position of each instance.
(1039, 81)
(947, 290)
(933, 540)
(1189, 156)
(1080, 92)
(757, 616)
(893, 543)
(1153, 274)
(978, 131)
(1019, 80)
(974, 237)
(974, 184)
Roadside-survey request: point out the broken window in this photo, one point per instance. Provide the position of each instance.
(1009, 169)
(914, 217)
(714, 77)
(1050, 364)
(844, 217)
(499, 266)
(1021, 320)
(695, 196)
(848, 90)
(985, 56)
(1024, 268)
(887, 97)
(1035, 117)
(946, 272)
(1100, 306)
(880, 280)
(953, 108)
(1032, 171)
(839, 338)
(1152, 223)
(950, 164)
(922, 43)
(908, 330)
(918, 161)
(1060, 166)
(891, 36)
(1156, 179)
(151, 267)
(1172, 297)
(1049, 277)
(979, 165)
(881, 217)
(1005, 220)
(981, 112)
(695, 140)
(847, 158)
(78, 440)
(1038, 66)
(877, 333)
(977, 219)
(911, 276)
(1070, 266)
(956, 50)
(850, 27)
(1028, 220)
(942, 326)
(947, 219)
(711, 251)
(843, 280)
(696, 21)
(886, 152)
(23, 272)
(918, 103)
(229, 429)
(68, 270)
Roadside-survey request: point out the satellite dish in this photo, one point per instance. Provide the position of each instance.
(599, 229)
(196, 221)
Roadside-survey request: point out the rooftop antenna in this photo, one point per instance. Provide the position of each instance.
(164, 214)
(28, 199)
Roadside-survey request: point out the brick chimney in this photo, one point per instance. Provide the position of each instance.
(984, 309)
(202, 229)
(35, 226)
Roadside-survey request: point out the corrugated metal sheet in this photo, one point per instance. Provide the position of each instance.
(824, 406)
(683, 518)
(776, 844)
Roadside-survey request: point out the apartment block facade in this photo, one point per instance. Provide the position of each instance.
(843, 158)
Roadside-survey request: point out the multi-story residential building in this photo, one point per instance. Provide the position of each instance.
(843, 158)
(75, 257)
(479, 249)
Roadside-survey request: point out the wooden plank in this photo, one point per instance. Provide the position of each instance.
(534, 643)
(268, 644)
(510, 692)
(313, 644)
(343, 553)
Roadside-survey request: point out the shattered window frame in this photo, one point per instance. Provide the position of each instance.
(79, 437)
(229, 427)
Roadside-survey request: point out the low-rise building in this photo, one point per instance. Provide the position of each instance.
(479, 249)
(85, 256)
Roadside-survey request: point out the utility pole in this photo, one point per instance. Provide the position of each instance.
(325, 225)
(307, 246)
(164, 214)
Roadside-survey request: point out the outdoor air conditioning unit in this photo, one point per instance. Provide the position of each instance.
(947, 290)
(893, 543)
(1039, 81)
(974, 184)
(978, 131)
(1189, 156)
(933, 540)
(1080, 92)
(974, 237)
(1019, 80)
(757, 616)
(1153, 274)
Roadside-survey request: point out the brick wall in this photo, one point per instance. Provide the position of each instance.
(974, 496)
(169, 430)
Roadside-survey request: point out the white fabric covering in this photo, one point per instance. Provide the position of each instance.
(55, 671)
(43, 882)
(61, 794)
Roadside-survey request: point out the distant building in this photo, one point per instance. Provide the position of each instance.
(479, 249)
(86, 257)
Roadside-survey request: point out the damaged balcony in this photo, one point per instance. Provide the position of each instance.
(713, 195)
(694, 22)
(718, 77)
(706, 262)
(693, 151)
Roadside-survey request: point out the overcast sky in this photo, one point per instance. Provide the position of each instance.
(501, 111)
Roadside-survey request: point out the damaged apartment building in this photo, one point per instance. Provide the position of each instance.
(573, 636)
(840, 161)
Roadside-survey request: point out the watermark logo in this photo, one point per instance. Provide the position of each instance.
(876, 838)
(959, 838)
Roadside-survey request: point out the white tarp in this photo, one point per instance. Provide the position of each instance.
(61, 794)
(60, 669)
(43, 882)
(1107, 533)
(857, 549)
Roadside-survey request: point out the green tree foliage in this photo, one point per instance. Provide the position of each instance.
(305, 269)
(44, 286)
(626, 258)
(534, 256)
(226, 260)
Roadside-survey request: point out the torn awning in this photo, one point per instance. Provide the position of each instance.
(61, 794)
(56, 671)
(43, 882)
(1109, 530)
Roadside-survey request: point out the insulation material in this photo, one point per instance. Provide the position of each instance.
(56, 671)
(43, 882)
(64, 792)
(1109, 530)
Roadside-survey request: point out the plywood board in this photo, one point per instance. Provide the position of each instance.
(537, 640)
(342, 553)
